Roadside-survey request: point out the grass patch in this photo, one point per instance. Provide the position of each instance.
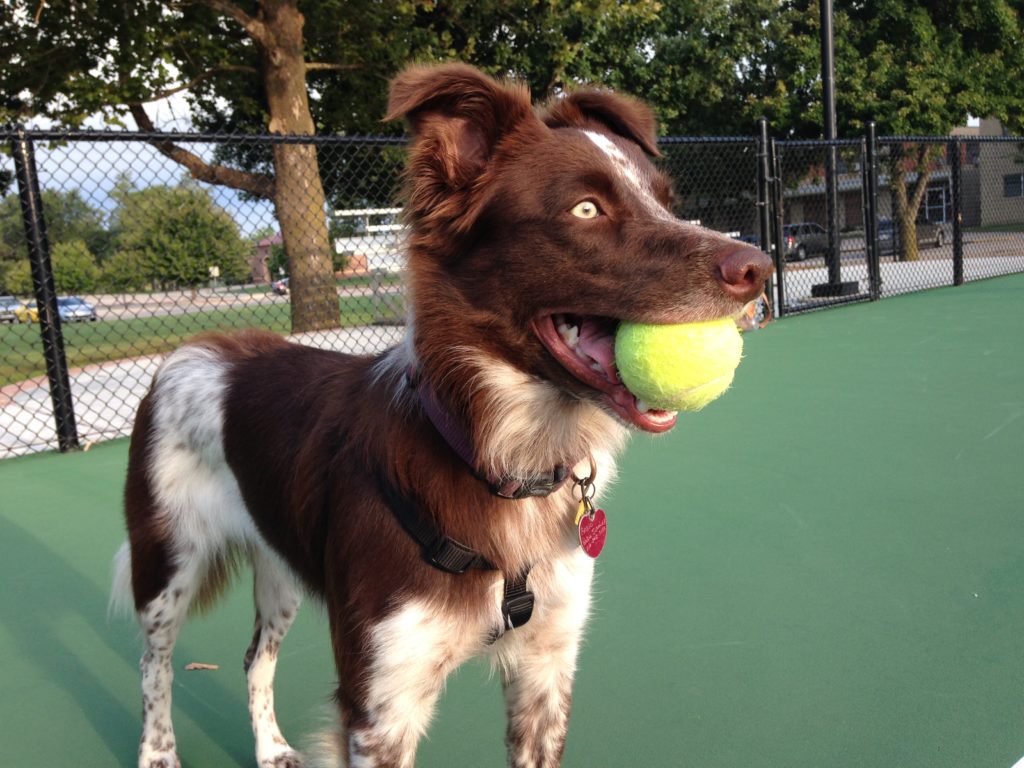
(21, 351)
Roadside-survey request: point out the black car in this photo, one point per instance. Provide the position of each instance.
(803, 240)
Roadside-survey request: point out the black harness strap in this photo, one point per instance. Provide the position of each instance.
(451, 556)
(442, 552)
(517, 607)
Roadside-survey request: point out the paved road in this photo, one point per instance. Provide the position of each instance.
(106, 395)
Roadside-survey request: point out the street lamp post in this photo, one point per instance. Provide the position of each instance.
(834, 286)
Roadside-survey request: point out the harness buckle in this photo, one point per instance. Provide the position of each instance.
(517, 609)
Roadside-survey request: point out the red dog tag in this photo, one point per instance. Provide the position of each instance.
(593, 530)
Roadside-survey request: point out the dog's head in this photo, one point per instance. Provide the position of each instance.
(533, 232)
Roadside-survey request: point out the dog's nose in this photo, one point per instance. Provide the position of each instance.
(743, 272)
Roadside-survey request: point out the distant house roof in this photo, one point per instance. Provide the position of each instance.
(266, 242)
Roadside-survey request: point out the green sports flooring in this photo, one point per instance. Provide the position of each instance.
(824, 568)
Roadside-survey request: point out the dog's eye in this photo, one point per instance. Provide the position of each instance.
(586, 210)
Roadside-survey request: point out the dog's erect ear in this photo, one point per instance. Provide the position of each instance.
(460, 112)
(622, 115)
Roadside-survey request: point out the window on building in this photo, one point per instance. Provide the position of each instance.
(1013, 185)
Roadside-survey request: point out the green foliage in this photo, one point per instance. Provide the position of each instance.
(74, 271)
(17, 278)
(175, 234)
(124, 272)
(68, 218)
(74, 268)
(707, 67)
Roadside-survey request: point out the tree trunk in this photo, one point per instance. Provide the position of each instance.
(298, 192)
(908, 201)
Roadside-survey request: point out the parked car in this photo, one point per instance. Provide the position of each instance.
(74, 309)
(804, 239)
(26, 313)
(929, 235)
(280, 287)
(8, 309)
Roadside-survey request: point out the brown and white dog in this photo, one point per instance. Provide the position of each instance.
(428, 496)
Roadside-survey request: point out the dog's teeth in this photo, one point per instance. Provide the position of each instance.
(570, 335)
(597, 367)
(642, 406)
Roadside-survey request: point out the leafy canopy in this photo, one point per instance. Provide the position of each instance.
(708, 67)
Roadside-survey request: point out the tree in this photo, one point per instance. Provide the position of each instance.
(124, 272)
(66, 60)
(69, 219)
(74, 270)
(176, 234)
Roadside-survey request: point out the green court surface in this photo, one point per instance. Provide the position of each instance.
(824, 568)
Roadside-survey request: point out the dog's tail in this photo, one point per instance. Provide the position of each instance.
(122, 603)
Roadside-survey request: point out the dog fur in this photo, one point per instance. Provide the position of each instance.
(527, 226)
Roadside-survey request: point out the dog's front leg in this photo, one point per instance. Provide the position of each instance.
(401, 667)
(539, 662)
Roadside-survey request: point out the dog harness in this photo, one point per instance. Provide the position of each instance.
(451, 556)
(442, 551)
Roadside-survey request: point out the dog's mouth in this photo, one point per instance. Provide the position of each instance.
(585, 346)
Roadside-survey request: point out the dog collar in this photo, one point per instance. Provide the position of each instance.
(455, 434)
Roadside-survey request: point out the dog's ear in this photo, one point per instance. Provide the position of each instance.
(622, 115)
(459, 114)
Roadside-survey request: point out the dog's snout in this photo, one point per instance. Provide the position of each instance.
(742, 273)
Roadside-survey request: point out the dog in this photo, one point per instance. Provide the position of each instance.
(432, 498)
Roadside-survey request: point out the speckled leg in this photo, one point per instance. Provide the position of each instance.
(277, 601)
(161, 619)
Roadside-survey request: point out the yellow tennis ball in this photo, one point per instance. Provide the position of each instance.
(678, 367)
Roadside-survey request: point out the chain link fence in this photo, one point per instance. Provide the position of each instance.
(133, 243)
(943, 211)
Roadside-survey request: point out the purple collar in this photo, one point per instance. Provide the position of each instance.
(458, 439)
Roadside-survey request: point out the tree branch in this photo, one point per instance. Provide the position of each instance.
(253, 27)
(257, 184)
(193, 82)
(316, 65)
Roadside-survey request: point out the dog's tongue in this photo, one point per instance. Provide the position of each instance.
(599, 345)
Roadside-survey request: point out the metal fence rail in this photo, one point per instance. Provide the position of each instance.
(153, 256)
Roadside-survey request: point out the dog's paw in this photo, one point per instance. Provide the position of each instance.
(158, 755)
(289, 759)
(161, 761)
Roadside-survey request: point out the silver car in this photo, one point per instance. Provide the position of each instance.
(7, 306)
(73, 309)
(929, 235)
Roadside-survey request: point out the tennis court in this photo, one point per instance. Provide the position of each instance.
(824, 568)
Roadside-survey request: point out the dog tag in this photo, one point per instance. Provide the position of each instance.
(593, 530)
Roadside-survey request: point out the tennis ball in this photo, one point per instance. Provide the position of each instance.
(678, 367)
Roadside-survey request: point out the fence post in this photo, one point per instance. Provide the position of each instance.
(871, 213)
(776, 225)
(46, 295)
(763, 213)
(958, 216)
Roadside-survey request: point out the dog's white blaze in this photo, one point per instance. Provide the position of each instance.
(630, 173)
